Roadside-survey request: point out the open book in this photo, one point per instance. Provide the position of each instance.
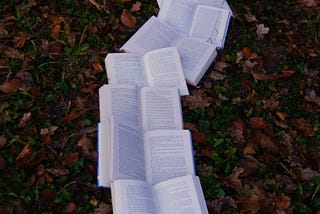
(214, 3)
(195, 55)
(158, 68)
(125, 152)
(191, 19)
(178, 195)
(148, 107)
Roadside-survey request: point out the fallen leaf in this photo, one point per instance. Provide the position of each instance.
(24, 154)
(48, 131)
(249, 149)
(281, 115)
(257, 123)
(287, 73)
(97, 67)
(263, 76)
(308, 174)
(103, 209)
(199, 137)
(47, 195)
(250, 18)
(19, 41)
(71, 116)
(304, 126)
(136, 6)
(311, 96)
(12, 85)
(127, 19)
(70, 159)
(233, 179)
(12, 53)
(261, 31)
(71, 207)
(85, 143)
(281, 202)
(58, 171)
(24, 120)
(55, 31)
(220, 66)
(251, 204)
(26, 77)
(3, 141)
(2, 162)
(3, 33)
(217, 76)
(197, 100)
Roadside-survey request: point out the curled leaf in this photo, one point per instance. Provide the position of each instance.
(127, 19)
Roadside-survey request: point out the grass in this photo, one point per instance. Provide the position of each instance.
(61, 90)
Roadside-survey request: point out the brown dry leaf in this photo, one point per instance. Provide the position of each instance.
(263, 76)
(127, 19)
(287, 73)
(85, 143)
(281, 202)
(24, 120)
(70, 159)
(3, 162)
(251, 204)
(207, 152)
(191, 126)
(197, 100)
(220, 66)
(71, 207)
(308, 174)
(248, 54)
(71, 116)
(97, 67)
(281, 115)
(3, 33)
(311, 96)
(103, 209)
(48, 131)
(217, 76)
(233, 179)
(257, 123)
(271, 103)
(55, 31)
(26, 77)
(12, 53)
(55, 48)
(136, 6)
(261, 30)
(12, 85)
(47, 195)
(250, 18)
(308, 3)
(24, 154)
(199, 137)
(19, 41)
(304, 126)
(3, 141)
(249, 149)
(58, 171)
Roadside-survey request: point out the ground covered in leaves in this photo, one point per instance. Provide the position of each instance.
(255, 121)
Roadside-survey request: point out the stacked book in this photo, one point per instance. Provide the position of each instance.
(144, 154)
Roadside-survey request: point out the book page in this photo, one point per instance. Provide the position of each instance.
(103, 160)
(196, 57)
(164, 69)
(179, 196)
(154, 34)
(178, 14)
(213, 31)
(124, 68)
(132, 197)
(168, 154)
(161, 108)
(120, 101)
(127, 151)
